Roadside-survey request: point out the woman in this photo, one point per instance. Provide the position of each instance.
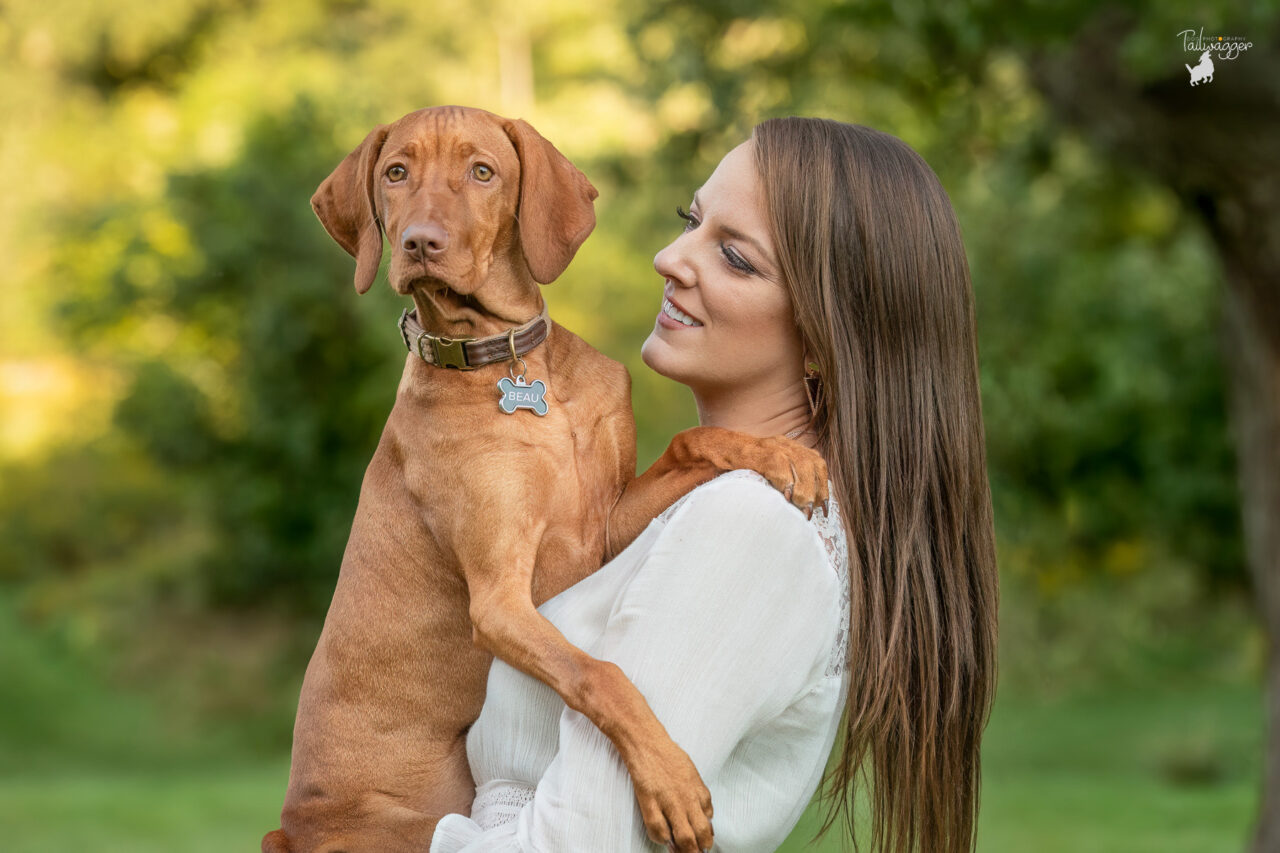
(819, 290)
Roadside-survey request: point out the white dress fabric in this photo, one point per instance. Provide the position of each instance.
(730, 614)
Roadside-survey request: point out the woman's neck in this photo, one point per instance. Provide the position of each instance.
(758, 412)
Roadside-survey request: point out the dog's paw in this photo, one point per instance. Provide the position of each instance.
(276, 841)
(799, 472)
(677, 806)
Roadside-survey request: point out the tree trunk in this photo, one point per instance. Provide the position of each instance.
(1215, 146)
(1254, 366)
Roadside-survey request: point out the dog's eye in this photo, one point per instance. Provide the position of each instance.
(397, 173)
(482, 172)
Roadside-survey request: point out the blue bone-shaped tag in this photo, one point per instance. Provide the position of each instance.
(518, 395)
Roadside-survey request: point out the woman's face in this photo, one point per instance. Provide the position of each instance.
(726, 319)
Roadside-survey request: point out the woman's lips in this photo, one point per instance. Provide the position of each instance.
(673, 316)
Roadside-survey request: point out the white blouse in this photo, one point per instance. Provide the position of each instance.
(730, 614)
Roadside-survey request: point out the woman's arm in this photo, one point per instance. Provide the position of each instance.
(731, 618)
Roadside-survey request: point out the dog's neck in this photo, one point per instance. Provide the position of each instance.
(487, 311)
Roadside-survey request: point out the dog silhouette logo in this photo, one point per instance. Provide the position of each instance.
(1203, 72)
(1225, 48)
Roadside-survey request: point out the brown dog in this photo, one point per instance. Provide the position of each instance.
(469, 515)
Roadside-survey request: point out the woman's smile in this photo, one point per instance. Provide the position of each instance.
(673, 315)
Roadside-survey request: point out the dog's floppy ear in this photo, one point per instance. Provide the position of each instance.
(556, 213)
(345, 205)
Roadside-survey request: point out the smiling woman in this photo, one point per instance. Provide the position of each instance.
(819, 290)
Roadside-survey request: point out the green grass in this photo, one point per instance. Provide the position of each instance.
(1172, 768)
(220, 810)
(1167, 770)
(1082, 775)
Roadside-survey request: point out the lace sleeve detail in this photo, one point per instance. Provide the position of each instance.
(830, 529)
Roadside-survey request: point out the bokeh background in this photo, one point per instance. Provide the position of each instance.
(190, 387)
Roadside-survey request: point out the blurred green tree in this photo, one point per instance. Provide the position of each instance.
(275, 452)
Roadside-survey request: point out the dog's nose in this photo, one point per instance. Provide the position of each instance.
(425, 241)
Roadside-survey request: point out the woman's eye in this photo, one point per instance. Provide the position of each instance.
(482, 172)
(735, 260)
(397, 173)
(731, 256)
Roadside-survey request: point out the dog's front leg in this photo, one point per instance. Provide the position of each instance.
(697, 455)
(674, 802)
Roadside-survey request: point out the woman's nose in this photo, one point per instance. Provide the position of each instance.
(670, 263)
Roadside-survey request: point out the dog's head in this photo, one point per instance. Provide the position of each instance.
(459, 193)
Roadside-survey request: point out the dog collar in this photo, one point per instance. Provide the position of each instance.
(470, 353)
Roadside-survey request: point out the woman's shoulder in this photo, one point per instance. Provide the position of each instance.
(735, 494)
(740, 512)
(744, 488)
(743, 504)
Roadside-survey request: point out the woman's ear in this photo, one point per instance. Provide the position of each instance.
(555, 212)
(345, 205)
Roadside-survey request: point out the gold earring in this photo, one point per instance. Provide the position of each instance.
(812, 388)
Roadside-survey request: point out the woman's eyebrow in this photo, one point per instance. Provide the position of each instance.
(738, 235)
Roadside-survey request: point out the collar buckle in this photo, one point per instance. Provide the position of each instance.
(446, 352)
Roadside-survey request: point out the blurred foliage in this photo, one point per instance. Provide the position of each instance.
(190, 388)
(270, 388)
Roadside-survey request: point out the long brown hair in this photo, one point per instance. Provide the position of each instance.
(870, 250)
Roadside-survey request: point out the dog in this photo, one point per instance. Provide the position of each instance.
(505, 474)
(1203, 72)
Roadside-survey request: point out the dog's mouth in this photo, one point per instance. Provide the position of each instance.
(455, 305)
(450, 301)
(419, 280)
(432, 275)
(447, 304)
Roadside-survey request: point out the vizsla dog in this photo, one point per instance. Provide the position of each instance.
(505, 473)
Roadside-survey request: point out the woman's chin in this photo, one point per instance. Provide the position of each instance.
(658, 357)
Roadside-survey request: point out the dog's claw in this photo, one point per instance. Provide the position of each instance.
(807, 484)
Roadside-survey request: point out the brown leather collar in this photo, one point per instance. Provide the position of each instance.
(470, 353)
